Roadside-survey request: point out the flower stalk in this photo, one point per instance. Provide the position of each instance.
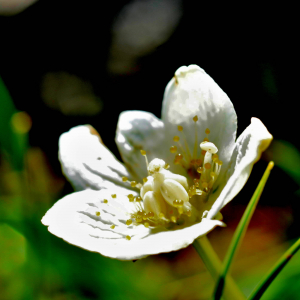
(214, 265)
(240, 232)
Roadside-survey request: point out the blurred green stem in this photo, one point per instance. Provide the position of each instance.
(267, 280)
(214, 265)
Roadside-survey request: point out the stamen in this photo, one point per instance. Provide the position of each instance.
(133, 183)
(105, 201)
(207, 131)
(173, 149)
(124, 179)
(176, 138)
(150, 214)
(114, 196)
(207, 166)
(97, 213)
(112, 226)
(180, 128)
(128, 237)
(143, 152)
(130, 197)
(129, 222)
(195, 119)
(146, 224)
(178, 159)
(145, 179)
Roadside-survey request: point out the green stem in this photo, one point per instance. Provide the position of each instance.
(267, 280)
(213, 264)
(240, 232)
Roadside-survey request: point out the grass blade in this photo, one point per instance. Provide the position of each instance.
(240, 232)
(214, 265)
(267, 280)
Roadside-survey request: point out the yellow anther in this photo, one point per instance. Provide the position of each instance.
(193, 162)
(129, 222)
(145, 216)
(161, 215)
(143, 152)
(220, 162)
(207, 166)
(167, 166)
(145, 179)
(146, 224)
(204, 184)
(139, 219)
(177, 203)
(199, 162)
(203, 152)
(180, 210)
(140, 213)
(105, 201)
(215, 157)
(133, 183)
(212, 174)
(112, 226)
(188, 213)
(124, 179)
(173, 149)
(205, 140)
(200, 170)
(195, 119)
(97, 213)
(173, 219)
(114, 196)
(207, 131)
(130, 197)
(150, 214)
(138, 199)
(128, 238)
(178, 159)
(176, 138)
(180, 128)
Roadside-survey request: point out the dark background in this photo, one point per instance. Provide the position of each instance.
(250, 50)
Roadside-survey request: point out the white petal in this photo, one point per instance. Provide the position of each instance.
(72, 219)
(193, 92)
(248, 148)
(138, 130)
(87, 163)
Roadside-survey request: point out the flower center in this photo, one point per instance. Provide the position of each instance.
(167, 199)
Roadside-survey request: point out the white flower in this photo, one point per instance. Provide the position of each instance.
(134, 211)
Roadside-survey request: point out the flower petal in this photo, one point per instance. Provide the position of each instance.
(192, 92)
(137, 130)
(74, 219)
(248, 148)
(87, 163)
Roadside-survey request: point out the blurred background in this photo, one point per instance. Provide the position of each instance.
(66, 63)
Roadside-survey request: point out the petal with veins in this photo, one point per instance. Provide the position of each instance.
(137, 130)
(248, 148)
(191, 93)
(71, 219)
(87, 163)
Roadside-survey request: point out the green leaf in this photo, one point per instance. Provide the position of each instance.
(279, 265)
(240, 232)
